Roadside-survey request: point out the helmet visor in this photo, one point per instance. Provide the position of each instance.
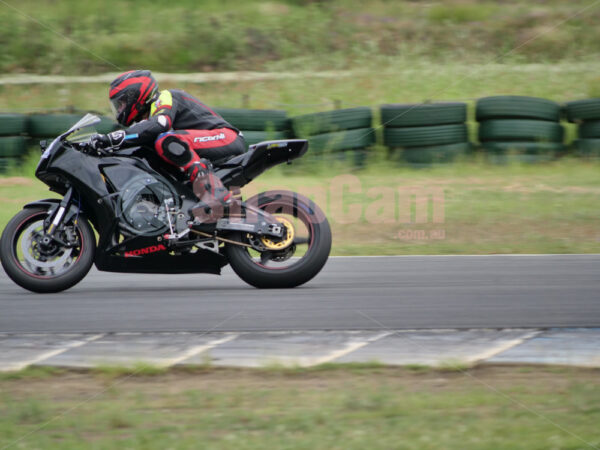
(118, 105)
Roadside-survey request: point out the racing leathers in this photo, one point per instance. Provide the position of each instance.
(188, 134)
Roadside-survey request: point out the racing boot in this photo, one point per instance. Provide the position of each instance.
(214, 198)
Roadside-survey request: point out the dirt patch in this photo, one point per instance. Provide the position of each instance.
(76, 385)
(16, 181)
(530, 189)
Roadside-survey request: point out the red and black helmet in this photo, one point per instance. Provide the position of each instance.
(131, 94)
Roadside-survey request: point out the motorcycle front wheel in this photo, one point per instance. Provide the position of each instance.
(40, 264)
(291, 261)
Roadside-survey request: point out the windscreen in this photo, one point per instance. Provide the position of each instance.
(83, 129)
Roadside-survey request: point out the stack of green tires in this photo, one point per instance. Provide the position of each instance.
(341, 131)
(587, 114)
(48, 126)
(425, 134)
(13, 143)
(258, 125)
(519, 129)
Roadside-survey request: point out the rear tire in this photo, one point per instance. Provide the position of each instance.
(21, 274)
(300, 272)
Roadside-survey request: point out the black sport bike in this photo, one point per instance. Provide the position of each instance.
(140, 211)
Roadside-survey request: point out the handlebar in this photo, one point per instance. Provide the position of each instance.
(86, 148)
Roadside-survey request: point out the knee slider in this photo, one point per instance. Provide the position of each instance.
(176, 150)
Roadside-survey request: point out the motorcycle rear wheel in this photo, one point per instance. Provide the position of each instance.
(257, 270)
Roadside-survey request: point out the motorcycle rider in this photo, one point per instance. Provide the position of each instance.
(184, 132)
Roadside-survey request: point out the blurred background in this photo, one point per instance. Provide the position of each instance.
(325, 70)
(435, 127)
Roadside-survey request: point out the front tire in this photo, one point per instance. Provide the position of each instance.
(300, 271)
(52, 270)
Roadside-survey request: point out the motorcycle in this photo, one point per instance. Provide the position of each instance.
(141, 212)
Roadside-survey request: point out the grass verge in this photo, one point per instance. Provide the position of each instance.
(77, 37)
(379, 81)
(465, 208)
(367, 407)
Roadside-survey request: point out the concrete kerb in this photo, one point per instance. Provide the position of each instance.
(435, 348)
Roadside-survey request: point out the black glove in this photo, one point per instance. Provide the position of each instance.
(111, 141)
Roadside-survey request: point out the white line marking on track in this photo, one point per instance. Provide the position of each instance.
(487, 354)
(50, 354)
(193, 351)
(353, 346)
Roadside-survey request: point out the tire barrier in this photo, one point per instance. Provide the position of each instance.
(13, 146)
(6, 164)
(587, 148)
(426, 134)
(511, 128)
(258, 125)
(517, 107)
(47, 126)
(13, 124)
(520, 129)
(583, 110)
(507, 130)
(523, 152)
(12, 149)
(589, 130)
(256, 119)
(19, 132)
(332, 121)
(586, 113)
(339, 131)
(51, 125)
(436, 154)
(359, 138)
(254, 137)
(396, 116)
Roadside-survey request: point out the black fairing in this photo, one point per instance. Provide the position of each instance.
(99, 181)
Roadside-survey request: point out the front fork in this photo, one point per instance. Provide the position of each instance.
(60, 213)
(57, 219)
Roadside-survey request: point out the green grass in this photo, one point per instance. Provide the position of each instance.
(549, 208)
(84, 37)
(138, 370)
(31, 372)
(383, 80)
(462, 13)
(356, 368)
(375, 408)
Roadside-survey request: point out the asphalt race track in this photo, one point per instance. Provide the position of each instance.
(362, 293)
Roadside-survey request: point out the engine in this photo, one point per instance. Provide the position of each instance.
(142, 202)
